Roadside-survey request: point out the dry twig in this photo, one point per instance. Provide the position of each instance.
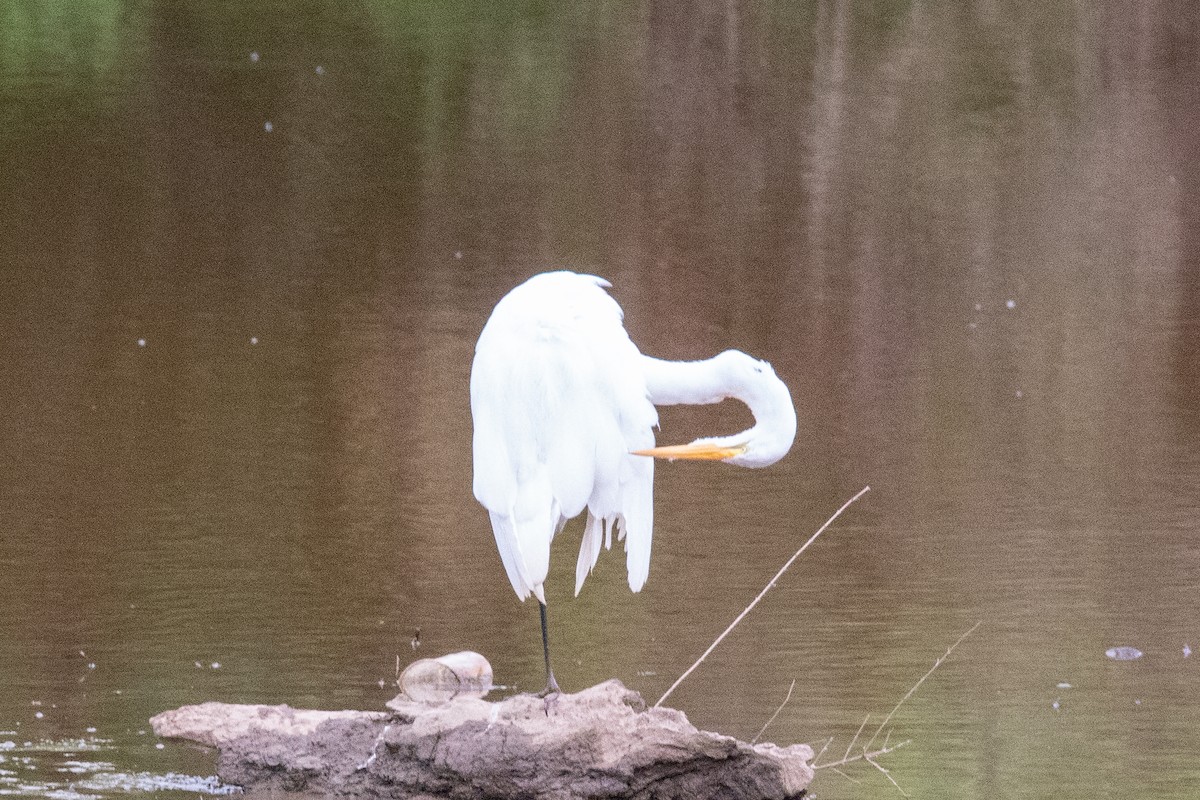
(824, 747)
(916, 685)
(776, 714)
(861, 756)
(846, 776)
(886, 773)
(872, 756)
(854, 739)
(761, 594)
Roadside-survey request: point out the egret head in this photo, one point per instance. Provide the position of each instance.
(755, 383)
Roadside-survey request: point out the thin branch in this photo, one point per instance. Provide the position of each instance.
(886, 774)
(872, 756)
(766, 589)
(776, 714)
(847, 777)
(850, 746)
(861, 756)
(824, 747)
(916, 685)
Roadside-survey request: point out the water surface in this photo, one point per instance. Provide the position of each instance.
(234, 407)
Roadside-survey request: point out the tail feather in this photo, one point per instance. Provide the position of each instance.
(637, 523)
(589, 549)
(523, 538)
(514, 566)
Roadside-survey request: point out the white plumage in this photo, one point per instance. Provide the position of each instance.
(559, 401)
(563, 407)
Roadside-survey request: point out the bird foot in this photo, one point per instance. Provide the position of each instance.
(550, 701)
(550, 695)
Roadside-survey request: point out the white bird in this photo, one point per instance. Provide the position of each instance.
(563, 409)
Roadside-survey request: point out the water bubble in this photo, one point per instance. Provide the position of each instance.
(320, 70)
(1055, 704)
(1065, 685)
(458, 254)
(159, 746)
(1123, 653)
(268, 127)
(253, 340)
(141, 342)
(39, 715)
(254, 56)
(114, 783)
(1011, 304)
(1187, 651)
(216, 665)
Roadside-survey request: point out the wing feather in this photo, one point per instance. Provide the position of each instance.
(589, 549)
(638, 515)
(559, 400)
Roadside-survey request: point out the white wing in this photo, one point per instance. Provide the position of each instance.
(559, 400)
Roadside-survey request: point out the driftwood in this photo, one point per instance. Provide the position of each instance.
(600, 743)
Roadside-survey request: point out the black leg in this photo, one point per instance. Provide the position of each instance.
(551, 684)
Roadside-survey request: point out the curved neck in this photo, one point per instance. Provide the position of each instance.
(672, 383)
(729, 374)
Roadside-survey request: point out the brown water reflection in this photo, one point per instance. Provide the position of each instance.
(966, 237)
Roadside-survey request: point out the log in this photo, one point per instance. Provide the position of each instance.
(600, 743)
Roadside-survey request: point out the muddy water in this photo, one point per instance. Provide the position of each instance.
(246, 253)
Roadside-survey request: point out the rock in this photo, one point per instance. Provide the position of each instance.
(215, 724)
(600, 743)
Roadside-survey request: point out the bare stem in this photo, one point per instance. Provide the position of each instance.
(854, 739)
(776, 714)
(761, 594)
(872, 756)
(847, 777)
(863, 755)
(886, 773)
(911, 691)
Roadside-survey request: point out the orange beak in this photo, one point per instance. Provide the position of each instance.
(696, 452)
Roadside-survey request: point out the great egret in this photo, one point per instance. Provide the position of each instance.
(563, 409)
